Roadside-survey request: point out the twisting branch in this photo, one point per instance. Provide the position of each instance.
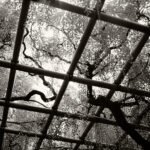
(55, 56)
(109, 49)
(65, 33)
(89, 75)
(51, 55)
(24, 50)
(5, 44)
(30, 94)
(46, 83)
(35, 101)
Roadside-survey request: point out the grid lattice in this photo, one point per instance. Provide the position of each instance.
(14, 66)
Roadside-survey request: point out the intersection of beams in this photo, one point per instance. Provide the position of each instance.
(77, 116)
(118, 81)
(93, 14)
(20, 30)
(80, 80)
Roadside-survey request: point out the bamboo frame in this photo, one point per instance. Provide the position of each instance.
(14, 66)
(62, 76)
(54, 137)
(94, 119)
(20, 30)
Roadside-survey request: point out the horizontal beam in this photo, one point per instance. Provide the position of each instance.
(74, 79)
(50, 137)
(55, 138)
(91, 13)
(70, 115)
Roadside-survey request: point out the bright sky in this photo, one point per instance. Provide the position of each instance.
(2, 1)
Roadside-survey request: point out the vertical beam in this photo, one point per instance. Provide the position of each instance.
(22, 20)
(63, 88)
(118, 81)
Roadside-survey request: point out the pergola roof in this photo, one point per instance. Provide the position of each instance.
(68, 77)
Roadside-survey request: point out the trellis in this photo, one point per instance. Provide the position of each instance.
(68, 77)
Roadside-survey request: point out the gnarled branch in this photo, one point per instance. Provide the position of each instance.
(30, 94)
